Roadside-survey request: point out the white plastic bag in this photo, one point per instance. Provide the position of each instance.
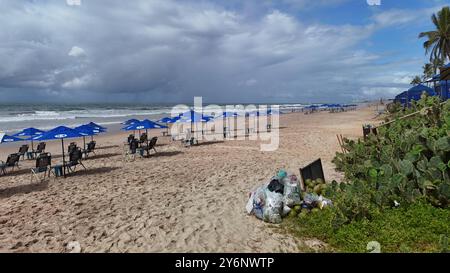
(273, 207)
(292, 196)
(249, 206)
(256, 202)
(324, 202)
(286, 211)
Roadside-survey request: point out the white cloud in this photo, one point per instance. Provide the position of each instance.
(380, 91)
(173, 50)
(76, 52)
(77, 82)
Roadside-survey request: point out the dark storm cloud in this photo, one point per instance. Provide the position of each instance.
(172, 50)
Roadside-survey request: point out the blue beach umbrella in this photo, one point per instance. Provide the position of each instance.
(164, 120)
(62, 133)
(225, 116)
(273, 112)
(130, 121)
(7, 139)
(193, 117)
(144, 125)
(88, 130)
(254, 113)
(99, 128)
(168, 120)
(29, 132)
(173, 120)
(96, 126)
(229, 115)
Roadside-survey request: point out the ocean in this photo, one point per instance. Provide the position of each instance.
(15, 117)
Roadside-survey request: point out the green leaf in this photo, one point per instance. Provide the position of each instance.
(443, 144)
(373, 173)
(417, 149)
(412, 157)
(387, 169)
(406, 167)
(422, 165)
(444, 190)
(429, 185)
(437, 163)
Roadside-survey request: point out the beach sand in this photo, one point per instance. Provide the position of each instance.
(180, 200)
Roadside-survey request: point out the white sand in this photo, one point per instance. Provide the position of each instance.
(181, 200)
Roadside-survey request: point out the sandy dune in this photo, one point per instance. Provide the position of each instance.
(180, 200)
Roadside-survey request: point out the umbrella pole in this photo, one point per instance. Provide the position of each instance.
(84, 142)
(148, 152)
(64, 159)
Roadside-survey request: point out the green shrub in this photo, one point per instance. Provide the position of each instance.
(417, 228)
(396, 189)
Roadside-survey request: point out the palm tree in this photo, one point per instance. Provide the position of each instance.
(437, 63)
(438, 43)
(417, 80)
(428, 71)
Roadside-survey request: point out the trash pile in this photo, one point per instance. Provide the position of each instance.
(283, 196)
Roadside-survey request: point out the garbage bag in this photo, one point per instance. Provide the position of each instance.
(281, 174)
(249, 206)
(311, 199)
(286, 211)
(256, 202)
(324, 202)
(292, 195)
(273, 207)
(276, 186)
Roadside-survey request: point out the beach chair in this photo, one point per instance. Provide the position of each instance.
(143, 139)
(74, 160)
(189, 140)
(90, 148)
(11, 162)
(23, 150)
(151, 146)
(43, 165)
(130, 138)
(40, 149)
(72, 147)
(131, 152)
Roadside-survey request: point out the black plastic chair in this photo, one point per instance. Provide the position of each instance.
(11, 162)
(72, 147)
(90, 148)
(43, 165)
(131, 153)
(23, 150)
(143, 139)
(151, 145)
(130, 138)
(75, 159)
(40, 149)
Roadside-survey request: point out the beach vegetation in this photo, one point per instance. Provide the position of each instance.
(396, 189)
(416, 80)
(438, 40)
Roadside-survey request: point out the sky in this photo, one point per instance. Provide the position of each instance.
(223, 50)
